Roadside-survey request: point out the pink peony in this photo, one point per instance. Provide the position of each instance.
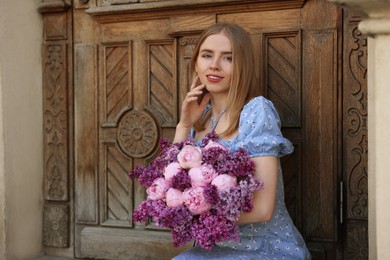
(212, 144)
(190, 157)
(195, 201)
(171, 170)
(174, 198)
(158, 189)
(201, 176)
(224, 181)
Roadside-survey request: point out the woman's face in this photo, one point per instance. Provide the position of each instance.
(214, 63)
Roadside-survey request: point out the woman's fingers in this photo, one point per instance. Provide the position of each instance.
(195, 93)
(195, 82)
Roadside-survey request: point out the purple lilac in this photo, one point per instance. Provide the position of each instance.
(174, 217)
(247, 187)
(229, 204)
(181, 181)
(238, 164)
(147, 175)
(211, 194)
(181, 235)
(147, 209)
(212, 136)
(216, 157)
(208, 229)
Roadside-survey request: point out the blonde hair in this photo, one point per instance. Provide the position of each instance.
(243, 80)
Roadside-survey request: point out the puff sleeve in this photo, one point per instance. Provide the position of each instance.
(259, 130)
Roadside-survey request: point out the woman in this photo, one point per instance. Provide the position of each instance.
(224, 98)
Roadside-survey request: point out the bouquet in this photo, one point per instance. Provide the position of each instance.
(197, 192)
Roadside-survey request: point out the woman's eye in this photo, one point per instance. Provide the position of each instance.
(228, 58)
(206, 55)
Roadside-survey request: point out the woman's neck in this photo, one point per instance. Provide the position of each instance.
(218, 105)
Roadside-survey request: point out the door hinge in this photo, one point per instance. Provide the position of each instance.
(341, 201)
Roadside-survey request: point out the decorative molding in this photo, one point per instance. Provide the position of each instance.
(55, 122)
(56, 225)
(137, 134)
(57, 106)
(118, 2)
(358, 65)
(189, 45)
(355, 125)
(358, 181)
(166, 8)
(51, 6)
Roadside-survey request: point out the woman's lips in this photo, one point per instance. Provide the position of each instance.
(214, 78)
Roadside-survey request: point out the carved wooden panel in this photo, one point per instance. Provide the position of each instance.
(283, 74)
(57, 122)
(117, 193)
(355, 123)
(357, 242)
(355, 143)
(162, 86)
(126, 134)
(86, 134)
(55, 102)
(320, 78)
(55, 26)
(186, 45)
(56, 225)
(292, 169)
(280, 58)
(117, 84)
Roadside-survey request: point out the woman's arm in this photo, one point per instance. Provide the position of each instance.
(264, 200)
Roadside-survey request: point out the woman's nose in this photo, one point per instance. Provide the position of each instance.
(214, 64)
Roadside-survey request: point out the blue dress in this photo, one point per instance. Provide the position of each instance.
(259, 133)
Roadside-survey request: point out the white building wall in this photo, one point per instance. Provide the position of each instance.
(21, 159)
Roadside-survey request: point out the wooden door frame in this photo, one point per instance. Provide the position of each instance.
(58, 131)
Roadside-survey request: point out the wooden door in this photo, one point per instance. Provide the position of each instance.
(130, 73)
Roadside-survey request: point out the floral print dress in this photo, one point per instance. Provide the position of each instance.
(259, 133)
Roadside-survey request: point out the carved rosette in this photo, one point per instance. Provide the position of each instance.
(56, 220)
(137, 134)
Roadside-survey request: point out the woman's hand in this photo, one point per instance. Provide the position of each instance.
(191, 109)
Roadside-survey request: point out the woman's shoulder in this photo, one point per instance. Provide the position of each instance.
(258, 102)
(257, 105)
(259, 129)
